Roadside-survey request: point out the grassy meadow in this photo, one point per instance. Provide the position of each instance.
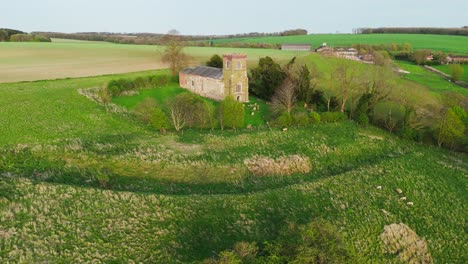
(446, 69)
(431, 80)
(86, 182)
(26, 61)
(449, 44)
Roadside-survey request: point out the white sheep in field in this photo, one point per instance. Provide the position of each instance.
(410, 203)
(285, 129)
(379, 187)
(399, 191)
(403, 198)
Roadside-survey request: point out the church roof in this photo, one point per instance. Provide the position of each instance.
(205, 71)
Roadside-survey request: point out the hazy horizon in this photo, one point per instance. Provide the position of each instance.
(209, 17)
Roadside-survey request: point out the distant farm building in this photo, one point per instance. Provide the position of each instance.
(296, 47)
(324, 49)
(346, 52)
(217, 83)
(457, 59)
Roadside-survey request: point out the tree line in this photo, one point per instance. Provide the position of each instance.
(462, 31)
(20, 36)
(162, 39)
(300, 95)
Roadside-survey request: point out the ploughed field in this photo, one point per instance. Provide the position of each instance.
(26, 61)
(84, 182)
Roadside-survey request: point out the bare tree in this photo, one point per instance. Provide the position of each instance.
(285, 97)
(178, 112)
(174, 56)
(346, 74)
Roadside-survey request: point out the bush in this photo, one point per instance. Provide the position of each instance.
(119, 86)
(456, 71)
(316, 242)
(301, 119)
(231, 113)
(21, 38)
(284, 120)
(362, 119)
(145, 109)
(159, 120)
(333, 117)
(159, 80)
(314, 118)
(103, 180)
(41, 38)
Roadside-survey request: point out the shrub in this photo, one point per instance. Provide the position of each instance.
(159, 120)
(362, 119)
(119, 86)
(456, 72)
(103, 180)
(41, 38)
(231, 113)
(286, 165)
(333, 117)
(399, 239)
(284, 120)
(145, 109)
(316, 242)
(21, 38)
(159, 80)
(314, 118)
(301, 119)
(104, 94)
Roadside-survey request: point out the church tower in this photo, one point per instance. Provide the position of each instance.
(236, 82)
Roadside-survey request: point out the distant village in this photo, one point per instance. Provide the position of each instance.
(353, 54)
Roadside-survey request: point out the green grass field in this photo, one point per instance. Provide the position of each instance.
(454, 44)
(26, 61)
(180, 197)
(433, 81)
(446, 69)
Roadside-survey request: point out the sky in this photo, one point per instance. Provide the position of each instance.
(217, 17)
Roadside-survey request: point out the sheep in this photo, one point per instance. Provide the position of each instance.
(410, 203)
(399, 191)
(285, 129)
(403, 198)
(379, 187)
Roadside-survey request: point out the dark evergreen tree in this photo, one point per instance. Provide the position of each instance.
(215, 61)
(265, 78)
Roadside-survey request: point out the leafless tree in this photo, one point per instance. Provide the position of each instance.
(285, 97)
(175, 56)
(178, 112)
(348, 84)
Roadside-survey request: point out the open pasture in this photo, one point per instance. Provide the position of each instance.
(454, 44)
(79, 181)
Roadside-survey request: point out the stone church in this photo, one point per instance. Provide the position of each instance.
(217, 83)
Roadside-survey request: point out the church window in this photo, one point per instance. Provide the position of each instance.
(239, 88)
(228, 64)
(239, 65)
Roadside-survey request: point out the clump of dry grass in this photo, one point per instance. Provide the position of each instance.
(401, 240)
(285, 165)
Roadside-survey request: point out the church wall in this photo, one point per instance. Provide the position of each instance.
(206, 87)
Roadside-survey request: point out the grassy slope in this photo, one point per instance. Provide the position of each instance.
(456, 44)
(446, 69)
(433, 81)
(39, 61)
(70, 138)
